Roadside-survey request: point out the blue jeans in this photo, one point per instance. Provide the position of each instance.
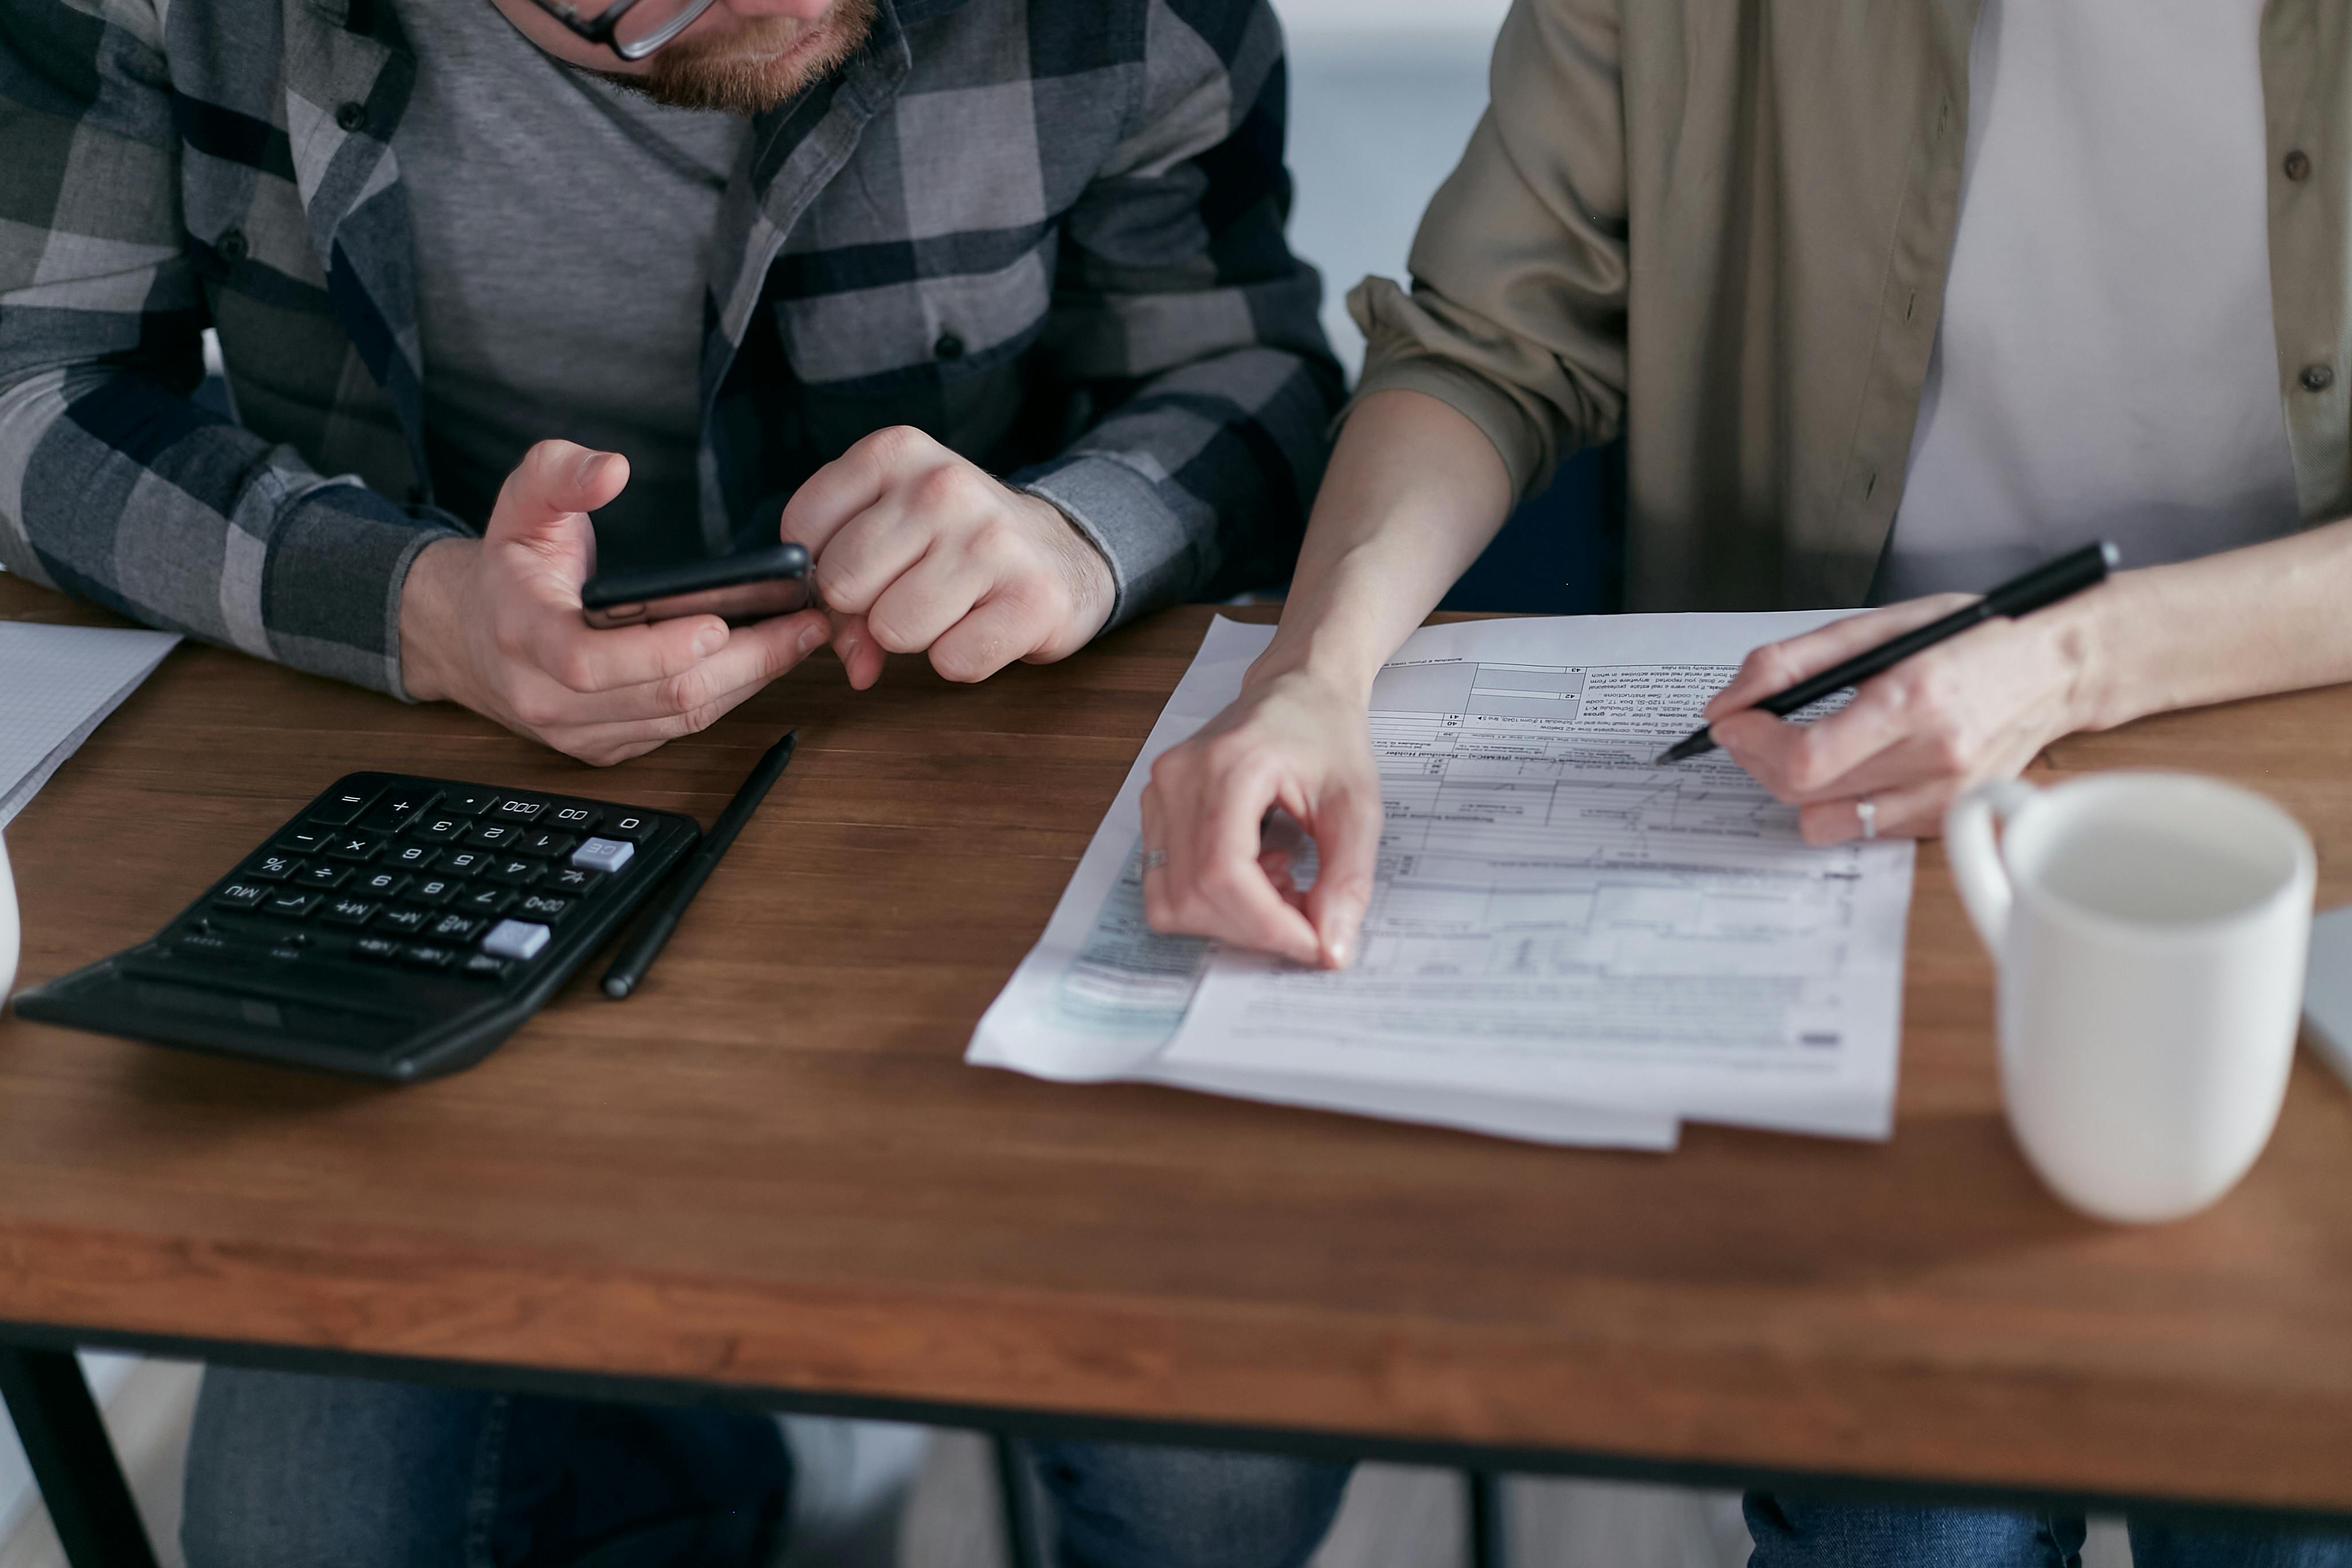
(293, 1471)
(1791, 1532)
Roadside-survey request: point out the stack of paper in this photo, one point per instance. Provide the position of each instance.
(1566, 943)
(56, 684)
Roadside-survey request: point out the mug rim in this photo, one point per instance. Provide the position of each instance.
(2302, 872)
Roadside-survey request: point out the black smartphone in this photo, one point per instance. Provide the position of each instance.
(742, 588)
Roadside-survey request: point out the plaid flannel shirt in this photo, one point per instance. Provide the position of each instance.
(1049, 232)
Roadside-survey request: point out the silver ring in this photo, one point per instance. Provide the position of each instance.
(1154, 859)
(1867, 809)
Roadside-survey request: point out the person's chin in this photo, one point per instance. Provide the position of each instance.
(749, 76)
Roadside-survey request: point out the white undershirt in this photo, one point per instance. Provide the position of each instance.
(2105, 366)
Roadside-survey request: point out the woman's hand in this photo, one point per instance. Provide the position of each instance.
(1291, 740)
(1978, 707)
(1414, 491)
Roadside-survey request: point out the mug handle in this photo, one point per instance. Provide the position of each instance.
(1976, 869)
(8, 935)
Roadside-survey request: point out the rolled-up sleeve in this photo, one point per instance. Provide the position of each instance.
(1515, 317)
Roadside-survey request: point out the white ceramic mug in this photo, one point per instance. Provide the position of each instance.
(2150, 931)
(8, 925)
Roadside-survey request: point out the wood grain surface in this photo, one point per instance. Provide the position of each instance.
(771, 1167)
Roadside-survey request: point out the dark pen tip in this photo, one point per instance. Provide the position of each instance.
(617, 987)
(2110, 554)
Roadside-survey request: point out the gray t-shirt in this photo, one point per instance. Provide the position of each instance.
(564, 235)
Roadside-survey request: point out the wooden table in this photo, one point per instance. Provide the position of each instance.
(772, 1177)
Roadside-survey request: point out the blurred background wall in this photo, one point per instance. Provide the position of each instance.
(1383, 95)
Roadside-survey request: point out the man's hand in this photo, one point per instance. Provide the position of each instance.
(495, 624)
(917, 549)
(1978, 707)
(1291, 740)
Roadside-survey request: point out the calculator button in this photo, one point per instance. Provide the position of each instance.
(273, 867)
(322, 878)
(630, 826)
(573, 818)
(518, 809)
(340, 807)
(348, 911)
(516, 873)
(425, 955)
(554, 846)
(572, 879)
(433, 892)
(241, 896)
(603, 855)
(290, 906)
(353, 846)
(402, 921)
(464, 801)
(381, 884)
(487, 902)
(540, 906)
(438, 827)
(462, 863)
(397, 810)
(376, 949)
(494, 835)
(411, 857)
(482, 966)
(306, 840)
(460, 928)
(515, 939)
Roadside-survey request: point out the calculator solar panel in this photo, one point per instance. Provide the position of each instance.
(395, 927)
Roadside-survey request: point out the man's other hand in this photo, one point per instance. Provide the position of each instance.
(495, 624)
(917, 549)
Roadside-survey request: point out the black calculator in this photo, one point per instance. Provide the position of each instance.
(396, 928)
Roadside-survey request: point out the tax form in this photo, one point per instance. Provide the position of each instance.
(1565, 942)
(1555, 917)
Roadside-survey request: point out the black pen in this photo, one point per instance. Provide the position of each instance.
(661, 916)
(2045, 585)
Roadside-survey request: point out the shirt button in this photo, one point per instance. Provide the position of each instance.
(949, 346)
(2298, 164)
(2317, 377)
(232, 245)
(351, 115)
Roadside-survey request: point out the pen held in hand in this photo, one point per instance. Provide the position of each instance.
(668, 905)
(2046, 584)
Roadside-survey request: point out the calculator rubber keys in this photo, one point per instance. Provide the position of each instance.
(603, 855)
(515, 939)
(341, 806)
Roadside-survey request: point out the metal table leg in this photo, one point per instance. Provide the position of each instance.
(1023, 1546)
(1489, 1546)
(73, 1460)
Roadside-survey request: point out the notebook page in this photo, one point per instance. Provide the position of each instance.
(56, 684)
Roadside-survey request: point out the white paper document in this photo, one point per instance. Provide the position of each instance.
(1565, 942)
(56, 684)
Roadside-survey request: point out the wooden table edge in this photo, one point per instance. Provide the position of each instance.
(1033, 1422)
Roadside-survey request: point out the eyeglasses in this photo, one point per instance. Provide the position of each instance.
(630, 28)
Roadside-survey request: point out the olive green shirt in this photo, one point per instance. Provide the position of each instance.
(1725, 229)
